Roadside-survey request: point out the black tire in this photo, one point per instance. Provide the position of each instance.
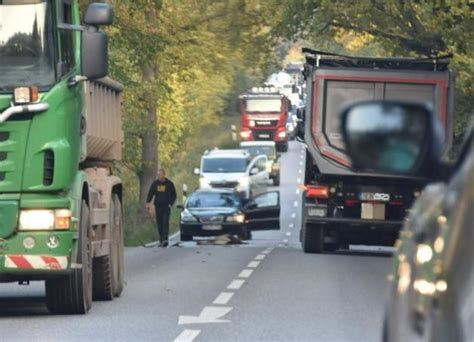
(276, 181)
(312, 238)
(245, 234)
(185, 237)
(73, 294)
(284, 148)
(118, 264)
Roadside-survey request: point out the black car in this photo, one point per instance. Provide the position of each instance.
(432, 278)
(213, 212)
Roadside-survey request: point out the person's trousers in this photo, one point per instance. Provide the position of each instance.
(163, 222)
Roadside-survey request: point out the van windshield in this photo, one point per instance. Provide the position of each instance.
(254, 151)
(26, 44)
(224, 165)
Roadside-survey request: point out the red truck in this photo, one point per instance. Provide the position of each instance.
(264, 113)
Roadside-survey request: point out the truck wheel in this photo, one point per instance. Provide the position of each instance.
(312, 238)
(245, 235)
(276, 181)
(185, 237)
(284, 148)
(117, 248)
(73, 294)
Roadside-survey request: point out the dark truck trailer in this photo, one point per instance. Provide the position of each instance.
(341, 205)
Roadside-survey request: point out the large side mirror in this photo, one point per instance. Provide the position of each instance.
(95, 55)
(99, 14)
(254, 171)
(392, 137)
(197, 171)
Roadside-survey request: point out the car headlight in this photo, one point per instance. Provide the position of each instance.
(204, 182)
(244, 181)
(186, 216)
(239, 218)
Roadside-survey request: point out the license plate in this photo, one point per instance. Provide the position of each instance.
(319, 212)
(212, 227)
(375, 196)
(266, 136)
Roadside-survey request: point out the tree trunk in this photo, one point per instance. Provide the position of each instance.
(150, 135)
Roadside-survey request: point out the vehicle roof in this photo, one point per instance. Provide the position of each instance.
(257, 143)
(226, 153)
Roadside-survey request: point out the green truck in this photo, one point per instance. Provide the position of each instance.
(60, 133)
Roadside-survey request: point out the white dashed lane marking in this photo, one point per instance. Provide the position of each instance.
(223, 298)
(298, 180)
(253, 264)
(288, 233)
(236, 284)
(298, 191)
(295, 204)
(187, 335)
(293, 215)
(245, 273)
(260, 257)
(291, 225)
(299, 171)
(210, 314)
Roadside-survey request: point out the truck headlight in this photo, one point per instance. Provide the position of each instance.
(239, 218)
(282, 135)
(36, 219)
(186, 216)
(24, 95)
(45, 219)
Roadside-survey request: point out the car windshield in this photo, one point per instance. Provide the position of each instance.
(224, 165)
(212, 200)
(26, 44)
(254, 151)
(269, 105)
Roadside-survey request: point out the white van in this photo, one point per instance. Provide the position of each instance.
(234, 169)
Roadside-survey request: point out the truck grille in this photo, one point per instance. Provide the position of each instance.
(266, 123)
(4, 136)
(3, 156)
(264, 134)
(48, 174)
(2, 176)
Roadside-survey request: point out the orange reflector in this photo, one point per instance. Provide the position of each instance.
(34, 96)
(63, 218)
(317, 191)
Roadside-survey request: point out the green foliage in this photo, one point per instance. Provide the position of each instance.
(391, 28)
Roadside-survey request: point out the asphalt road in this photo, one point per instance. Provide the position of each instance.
(267, 289)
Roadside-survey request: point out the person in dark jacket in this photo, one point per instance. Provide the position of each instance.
(163, 194)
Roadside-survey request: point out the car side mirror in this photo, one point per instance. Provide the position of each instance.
(180, 206)
(392, 137)
(197, 171)
(95, 54)
(99, 14)
(254, 171)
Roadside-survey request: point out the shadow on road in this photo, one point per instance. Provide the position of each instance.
(22, 306)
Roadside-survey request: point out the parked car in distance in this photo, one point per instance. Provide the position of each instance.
(432, 278)
(213, 212)
(291, 126)
(268, 148)
(234, 169)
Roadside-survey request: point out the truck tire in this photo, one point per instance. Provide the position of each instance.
(276, 180)
(117, 248)
(245, 234)
(108, 269)
(284, 147)
(312, 238)
(73, 294)
(185, 237)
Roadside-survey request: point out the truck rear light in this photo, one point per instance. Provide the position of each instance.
(351, 202)
(317, 191)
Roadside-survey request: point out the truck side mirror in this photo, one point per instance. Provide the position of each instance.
(197, 171)
(254, 171)
(392, 137)
(99, 14)
(95, 55)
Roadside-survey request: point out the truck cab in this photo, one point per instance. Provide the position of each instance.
(60, 204)
(264, 113)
